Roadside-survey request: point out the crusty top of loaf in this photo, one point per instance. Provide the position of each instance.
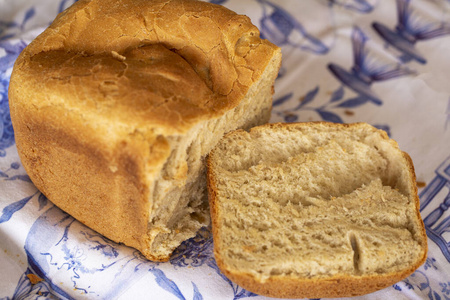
(154, 65)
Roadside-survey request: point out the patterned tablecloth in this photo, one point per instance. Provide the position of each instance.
(382, 62)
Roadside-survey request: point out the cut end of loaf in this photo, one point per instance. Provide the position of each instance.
(180, 210)
(314, 210)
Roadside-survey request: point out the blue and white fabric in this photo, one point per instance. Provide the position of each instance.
(386, 63)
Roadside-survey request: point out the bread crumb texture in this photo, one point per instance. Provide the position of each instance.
(313, 202)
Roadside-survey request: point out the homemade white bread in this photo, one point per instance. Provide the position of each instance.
(116, 105)
(314, 210)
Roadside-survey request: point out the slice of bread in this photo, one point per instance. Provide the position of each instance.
(314, 210)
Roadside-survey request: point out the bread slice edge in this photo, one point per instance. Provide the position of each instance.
(291, 286)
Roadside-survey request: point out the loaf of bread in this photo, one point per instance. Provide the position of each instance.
(314, 210)
(116, 105)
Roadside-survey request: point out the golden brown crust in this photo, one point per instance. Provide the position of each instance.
(100, 45)
(290, 286)
(327, 287)
(96, 96)
(422, 235)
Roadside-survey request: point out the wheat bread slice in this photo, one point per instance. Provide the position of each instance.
(314, 210)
